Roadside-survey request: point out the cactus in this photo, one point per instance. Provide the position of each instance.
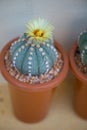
(82, 43)
(34, 53)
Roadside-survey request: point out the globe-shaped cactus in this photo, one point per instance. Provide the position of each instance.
(82, 43)
(34, 53)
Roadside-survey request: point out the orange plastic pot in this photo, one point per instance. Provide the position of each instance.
(80, 86)
(31, 102)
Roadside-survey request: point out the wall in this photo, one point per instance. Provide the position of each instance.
(69, 17)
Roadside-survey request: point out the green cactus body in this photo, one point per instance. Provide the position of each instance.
(32, 58)
(82, 43)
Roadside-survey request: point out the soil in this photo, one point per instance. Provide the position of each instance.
(80, 65)
(55, 70)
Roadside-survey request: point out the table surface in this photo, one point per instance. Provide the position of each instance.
(61, 115)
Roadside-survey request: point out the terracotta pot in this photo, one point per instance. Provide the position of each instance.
(31, 102)
(80, 86)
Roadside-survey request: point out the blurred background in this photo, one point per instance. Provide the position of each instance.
(69, 18)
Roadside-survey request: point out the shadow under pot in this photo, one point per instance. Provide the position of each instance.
(31, 102)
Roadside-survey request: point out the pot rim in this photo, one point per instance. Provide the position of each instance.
(73, 65)
(34, 87)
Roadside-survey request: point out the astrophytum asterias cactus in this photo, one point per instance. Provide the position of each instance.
(82, 43)
(34, 53)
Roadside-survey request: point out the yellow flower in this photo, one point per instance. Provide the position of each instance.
(39, 30)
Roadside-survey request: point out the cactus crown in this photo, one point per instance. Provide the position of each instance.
(34, 53)
(82, 43)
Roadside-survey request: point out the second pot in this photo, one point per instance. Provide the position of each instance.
(80, 86)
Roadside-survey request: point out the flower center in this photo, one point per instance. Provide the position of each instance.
(38, 33)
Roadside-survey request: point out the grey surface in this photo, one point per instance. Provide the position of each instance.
(69, 17)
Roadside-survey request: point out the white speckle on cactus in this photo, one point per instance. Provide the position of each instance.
(44, 43)
(14, 58)
(56, 52)
(57, 55)
(16, 54)
(47, 66)
(30, 58)
(29, 70)
(31, 48)
(30, 74)
(27, 44)
(19, 50)
(82, 44)
(83, 51)
(22, 47)
(32, 45)
(82, 57)
(52, 47)
(43, 53)
(13, 61)
(15, 42)
(47, 70)
(38, 46)
(29, 67)
(46, 62)
(48, 45)
(41, 49)
(31, 53)
(29, 63)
